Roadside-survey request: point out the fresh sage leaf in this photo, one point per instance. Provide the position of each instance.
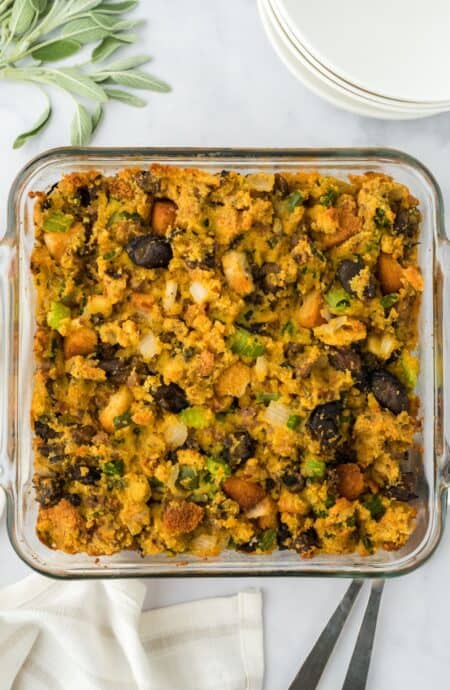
(117, 7)
(73, 80)
(81, 127)
(22, 16)
(56, 50)
(125, 97)
(35, 129)
(84, 31)
(97, 117)
(127, 63)
(106, 48)
(139, 80)
(39, 5)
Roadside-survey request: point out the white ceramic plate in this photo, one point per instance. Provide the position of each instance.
(323, 72)
(397, 49)
(290, 56)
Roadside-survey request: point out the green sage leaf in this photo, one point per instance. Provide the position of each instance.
(127, 63)
(84, 31)
(97, 117)
(39, 5)
(139, 80)
(117, 7)
(81, 127)
(73, 80)
(35, 129)
(125, 97)
(22, 16)
(106, 48)
(56, 50)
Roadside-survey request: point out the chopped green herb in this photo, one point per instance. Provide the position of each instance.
(293, 421)
(113, 468)
(187, 477)
(57, 313)
(338, 299)
(314, 469)
(109, 255)
(246, 344)
(367, 542)
(267, 540)
(122, 420)
(266, 397)
(156, 484)
(288, 328)
(387, 301)
(374, 506)
(329, 502)
(196, 417)
(273, 241)
(351, 521)
(294, 199)
(56, 221)
(380, 219)
(329, 198)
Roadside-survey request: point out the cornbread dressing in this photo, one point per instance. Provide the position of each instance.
(225, 361)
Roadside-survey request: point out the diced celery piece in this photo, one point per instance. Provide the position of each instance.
(56, 221)
(57, 313)
(293, 421)
(246, 344)
(266, 397)
(218, 469)
(267, 540)
(329, 198)
(410, 369)
(313, 468)
(388, 301)
(338, 299)
(196, 417)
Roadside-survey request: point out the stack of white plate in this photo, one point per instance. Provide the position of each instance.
(388, 59)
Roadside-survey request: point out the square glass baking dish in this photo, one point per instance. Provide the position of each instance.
(430, 454)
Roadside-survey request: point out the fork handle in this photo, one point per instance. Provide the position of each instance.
(358, 669)
(309, 674)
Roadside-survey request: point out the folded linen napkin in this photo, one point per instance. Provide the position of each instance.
(57, 635)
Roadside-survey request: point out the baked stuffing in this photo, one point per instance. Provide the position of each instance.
(225, 361)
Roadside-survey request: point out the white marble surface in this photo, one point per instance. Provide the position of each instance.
(229, 89)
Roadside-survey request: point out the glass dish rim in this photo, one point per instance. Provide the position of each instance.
(257, 154)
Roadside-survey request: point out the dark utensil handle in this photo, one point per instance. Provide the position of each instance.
(309, 674)
(358, 669)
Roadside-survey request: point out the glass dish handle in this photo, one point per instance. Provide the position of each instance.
(5, 359)
(442, 278)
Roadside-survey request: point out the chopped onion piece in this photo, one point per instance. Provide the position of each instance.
(170, 294)
(278, 413)
(199, 292)
(149, 346)
(261, 368)
(382, 346)
(205, 545)
(261, 509)
(175, 433)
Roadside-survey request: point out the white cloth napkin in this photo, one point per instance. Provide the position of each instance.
(94, 636)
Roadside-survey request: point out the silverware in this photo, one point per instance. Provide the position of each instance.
(309, 674)
(358, 669)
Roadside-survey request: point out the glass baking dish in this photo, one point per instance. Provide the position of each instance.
(430, 454)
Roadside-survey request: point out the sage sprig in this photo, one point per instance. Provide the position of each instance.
(36, 35)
